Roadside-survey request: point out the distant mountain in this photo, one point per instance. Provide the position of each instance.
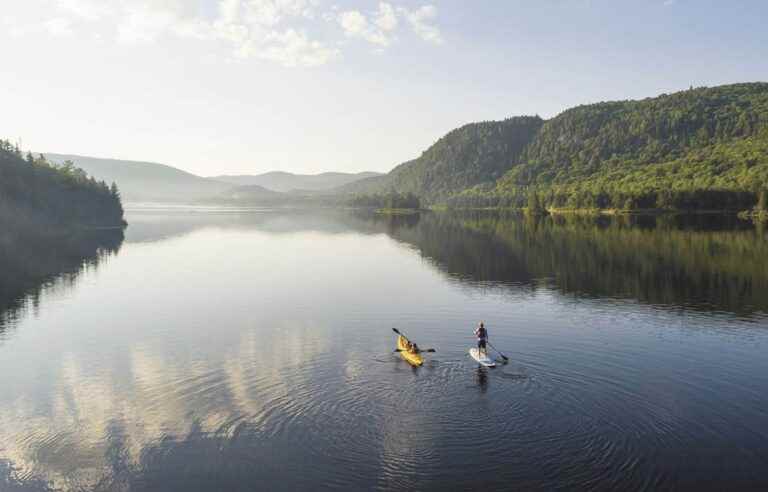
(282, 181)
(146, 181)
(249, 193)
(35, 194)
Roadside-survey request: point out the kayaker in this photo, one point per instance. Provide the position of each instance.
(411, 347)
(482, 338)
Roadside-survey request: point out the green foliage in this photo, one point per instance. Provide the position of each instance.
(699, 149)
(389, 200)
(467, 156)
(36, 191)
(534, 204)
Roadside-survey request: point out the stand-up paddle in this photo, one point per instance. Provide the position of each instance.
(506, 359)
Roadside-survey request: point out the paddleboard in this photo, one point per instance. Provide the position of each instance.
(481, 359)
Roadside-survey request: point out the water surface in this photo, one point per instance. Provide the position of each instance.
(238, 350)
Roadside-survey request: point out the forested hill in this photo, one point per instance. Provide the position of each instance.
(467, 156)
(701, 148)
(704, 148)
(34, 192)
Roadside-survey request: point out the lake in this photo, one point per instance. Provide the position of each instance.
(225, 349)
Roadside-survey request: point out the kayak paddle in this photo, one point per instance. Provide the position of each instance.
(400, 350)
(398, 332)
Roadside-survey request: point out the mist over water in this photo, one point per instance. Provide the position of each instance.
(238, 350)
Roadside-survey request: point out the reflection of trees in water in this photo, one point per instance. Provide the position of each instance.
(711, 262)
(33, 261)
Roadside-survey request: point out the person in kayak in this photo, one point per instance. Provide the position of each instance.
(482, 339)
(412, 347)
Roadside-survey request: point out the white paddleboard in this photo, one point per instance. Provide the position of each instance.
(481, 359)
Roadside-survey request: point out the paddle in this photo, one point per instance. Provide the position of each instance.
(400, 350)
(398, 332)
(506, 359)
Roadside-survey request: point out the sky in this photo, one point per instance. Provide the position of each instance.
(249, 86)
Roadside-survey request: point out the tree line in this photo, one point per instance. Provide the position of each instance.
(698, 149)
(35, 190)
(389, 200)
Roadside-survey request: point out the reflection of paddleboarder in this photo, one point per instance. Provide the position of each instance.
(482, 379)
(482, 339)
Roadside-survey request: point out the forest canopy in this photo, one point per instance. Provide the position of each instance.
(34, 191)
(699, 149)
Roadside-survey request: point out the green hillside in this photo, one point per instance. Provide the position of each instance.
(704, 148)
(467, 156)
(34, 192)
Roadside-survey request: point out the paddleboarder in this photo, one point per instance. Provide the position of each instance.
(482, 338)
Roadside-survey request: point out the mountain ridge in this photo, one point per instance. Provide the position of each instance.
(145, 181)
(702, 148)
(285, 181)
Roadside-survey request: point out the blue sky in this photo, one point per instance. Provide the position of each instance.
(248, 86)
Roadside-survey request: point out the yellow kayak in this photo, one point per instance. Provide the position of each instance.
(410, 357)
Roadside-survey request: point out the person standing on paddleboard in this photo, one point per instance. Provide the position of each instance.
(482, 339)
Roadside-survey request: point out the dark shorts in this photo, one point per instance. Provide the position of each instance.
(481, 344)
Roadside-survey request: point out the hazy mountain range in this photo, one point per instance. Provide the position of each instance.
(703, 148)
(152, 182)
(282, 181)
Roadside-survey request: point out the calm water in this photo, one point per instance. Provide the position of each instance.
(226, 350)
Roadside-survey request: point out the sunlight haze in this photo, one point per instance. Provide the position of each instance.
(250, 86)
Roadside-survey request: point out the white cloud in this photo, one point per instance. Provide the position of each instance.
(145, 22)
(379, 32)
(273, 12)
(385, 21)
(386, 18)
(87, 9)
(274, 30)
(229, 11)
(419, 21)
(294, 49)
(356, 25)
(253, 30)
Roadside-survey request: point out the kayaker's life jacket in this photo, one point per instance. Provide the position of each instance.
(482, 333)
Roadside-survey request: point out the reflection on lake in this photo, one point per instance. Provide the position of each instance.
(225, 350)
(37, 263)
